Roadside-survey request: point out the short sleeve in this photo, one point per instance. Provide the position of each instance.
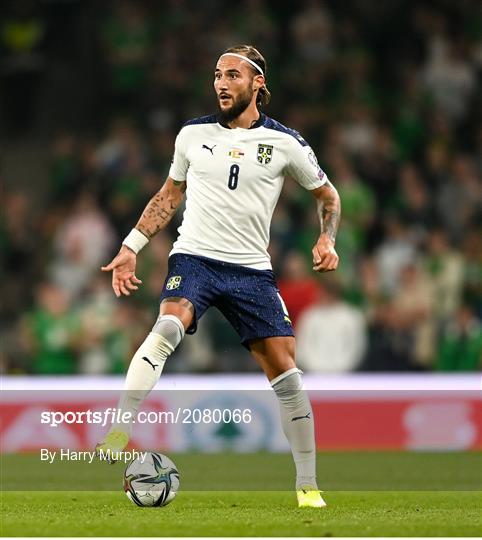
(303, 166)
(180, 163)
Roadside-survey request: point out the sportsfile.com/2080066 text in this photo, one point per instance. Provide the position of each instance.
(180, 415)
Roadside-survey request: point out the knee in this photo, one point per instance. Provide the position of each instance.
(170, 328)
(281, 356)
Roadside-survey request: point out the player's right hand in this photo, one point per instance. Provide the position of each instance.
(123, 267)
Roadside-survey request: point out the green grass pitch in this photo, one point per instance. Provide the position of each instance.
(368, 494)
(243, 514)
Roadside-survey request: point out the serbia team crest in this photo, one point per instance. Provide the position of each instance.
(173, 283)
(265, 153)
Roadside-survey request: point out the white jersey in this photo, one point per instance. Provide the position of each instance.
(234, 179)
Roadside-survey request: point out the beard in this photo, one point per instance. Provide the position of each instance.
(239, 105)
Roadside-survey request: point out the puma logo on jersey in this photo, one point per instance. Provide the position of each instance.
(301, 417)
(207, 148)
(149, 362)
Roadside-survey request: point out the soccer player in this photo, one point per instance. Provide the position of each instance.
(231, 167)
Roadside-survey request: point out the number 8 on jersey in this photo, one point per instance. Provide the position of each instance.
(233, 176)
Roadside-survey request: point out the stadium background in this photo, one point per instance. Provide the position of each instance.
(388, 95)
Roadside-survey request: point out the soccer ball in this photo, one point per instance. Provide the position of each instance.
(152, 482)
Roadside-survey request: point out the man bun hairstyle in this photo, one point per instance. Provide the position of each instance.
(264, 95)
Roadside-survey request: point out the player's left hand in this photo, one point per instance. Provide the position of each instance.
(325, 258)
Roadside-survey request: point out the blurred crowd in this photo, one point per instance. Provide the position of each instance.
(388, 95)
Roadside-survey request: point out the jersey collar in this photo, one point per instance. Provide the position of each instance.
(259, 122)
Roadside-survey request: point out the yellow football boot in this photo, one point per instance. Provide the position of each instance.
(309, 497)
(115, 441)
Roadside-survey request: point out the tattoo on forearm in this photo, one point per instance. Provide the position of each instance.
(331, 219)
(329, 211)
(158, 213)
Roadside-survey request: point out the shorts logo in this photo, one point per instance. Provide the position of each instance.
(286, 317)
(173, 282)
(265, 153)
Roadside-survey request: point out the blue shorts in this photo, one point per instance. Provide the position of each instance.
(248, 298)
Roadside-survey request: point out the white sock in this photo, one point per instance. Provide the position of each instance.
(146, 366)
(298, 424)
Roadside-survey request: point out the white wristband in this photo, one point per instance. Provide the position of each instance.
(135, 240)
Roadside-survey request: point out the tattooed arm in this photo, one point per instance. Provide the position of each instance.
(155, 217)
(160, 209)
(325, 258)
